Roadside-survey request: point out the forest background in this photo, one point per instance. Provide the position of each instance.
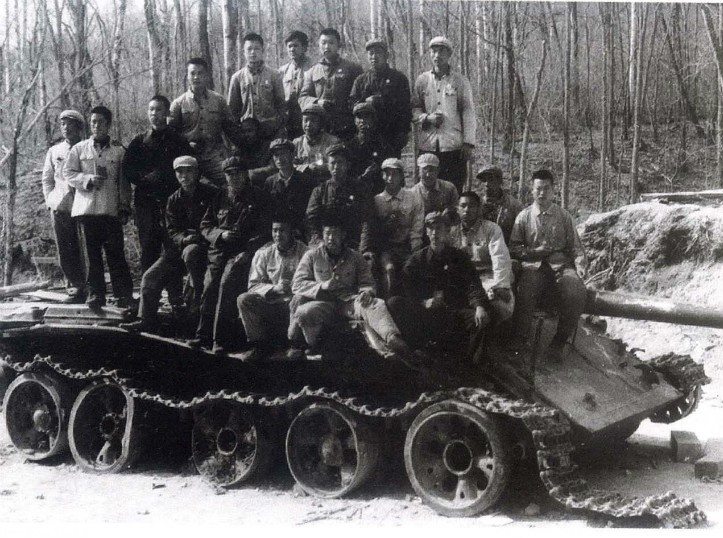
(616, 98)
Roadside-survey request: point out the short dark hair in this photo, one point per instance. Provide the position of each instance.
(333, 217)
(253, 36)
(300, 36)
(544, 175)
(472, 196)
(282, 216)
(197, 60)
(161, 99)
(490, 174)
(253, 121)
(331, 32)
(103, 111)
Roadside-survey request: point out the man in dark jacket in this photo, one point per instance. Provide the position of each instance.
(368, 149)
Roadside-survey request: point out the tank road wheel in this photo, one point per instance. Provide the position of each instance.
(330, 451)
(457, 459)
(681, 408)
(36, 415)
(229, 445)
(103, 428)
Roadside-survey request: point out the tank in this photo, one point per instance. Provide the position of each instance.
(82, 384)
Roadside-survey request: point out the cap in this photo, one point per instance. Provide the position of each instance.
(336, 149)
(185, 161)
(376, 42)
(232, 163)
(281, 143)
(392, 163)
(441, 41)
(490, 174)
(428, 159)
(314, 108)
(363, 108)
(437, 217)
(71, 114)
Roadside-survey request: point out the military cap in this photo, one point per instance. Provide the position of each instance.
(441, 41)
(281, 143)
(185, 161)
(71, 114)
(490, 174)
(392, 163)
(376, 42)
(314, 108)
(232, 163)
(437, 217)
(337, 149)
(428, 159)
(363, 108)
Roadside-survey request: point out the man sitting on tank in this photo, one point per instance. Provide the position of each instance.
(545, 240)
(310, 147)
(264, 309)
(483, 241)
(334, 283)
(444, 305)
(498, 205)
(368, 148)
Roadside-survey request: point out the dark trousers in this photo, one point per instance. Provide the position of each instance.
(98, 234)
(453, 167)
(148, 217)
(225, 280)
(68, 243)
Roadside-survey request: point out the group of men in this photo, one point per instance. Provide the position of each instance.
(285, 209)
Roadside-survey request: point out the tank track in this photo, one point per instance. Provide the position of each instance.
(550, 431)
(681, 371)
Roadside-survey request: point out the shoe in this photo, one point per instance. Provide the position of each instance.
(295, 353)
(399, 346)
(95, 301)
(126, 302)
(218, 349)
(255, 354)
(556, 351)
(142, 325)
(75, 295)
(198, 343)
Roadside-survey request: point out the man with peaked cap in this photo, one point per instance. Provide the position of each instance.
(388, 91)
(58, 196)
(498, 205)
(310, 147)
(443, 107)
(368, 148)
(292, 77)
(437, 194)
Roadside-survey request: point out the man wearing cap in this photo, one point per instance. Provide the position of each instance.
(264, 309)
(368, 148)
(290, 190)
(342, 195)
(398, 225)
(292, 76)
(102, 206)
(388, 91)
(236, 225)
(444, 298)
(437, 194)
(256, 91)
(186, 250)
(329, 83)
(58, 196)
(545, 240)
(253, 151)
(497, 205)
(310, 148)
(482, 240)
(202, 116)
(443, 107)
(148, 165)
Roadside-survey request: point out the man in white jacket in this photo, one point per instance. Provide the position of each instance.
(101, 206)
(59, 200)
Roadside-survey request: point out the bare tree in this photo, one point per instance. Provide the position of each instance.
(530, 111)
(565, 191)
(229, 18)
(716, 42)
(637, 100)
(203, 38)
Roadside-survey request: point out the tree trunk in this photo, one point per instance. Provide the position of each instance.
(528, 115)
(373, 18)
(179, 45)
(203, 38)
(115, 64)
(154, 44)
(229, 20)
(605, 17)
(635, 160)
(510, 119)
(88, 93)
(716, 43)
(565, 190)
(244, 25)
(498, 64)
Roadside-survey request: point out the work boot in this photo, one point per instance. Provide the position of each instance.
(295, 353)
(95, 301)
(75, 295)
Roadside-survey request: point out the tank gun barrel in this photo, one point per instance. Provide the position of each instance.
(605, 303)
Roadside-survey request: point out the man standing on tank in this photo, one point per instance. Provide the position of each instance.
(292, 77)
(387, 90)
(58, 196)
(329, 83)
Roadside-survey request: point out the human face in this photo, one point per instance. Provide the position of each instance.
(440, 57)
(468, 209)
(428, 175)
(491, 190)
(197, 78)
(311, 123)
(438, 236)
(337, 167)
(187, 177)
(235, 178)
(253, 52)
(281, 234)
(157, 114)
(283, 159)
(333, 237)
(99, 126)
(364, 123)
(70, 129)
(377, 57)
(393, 180)
(329, 47)
(542, 193)
(296, 50)
(248, 132)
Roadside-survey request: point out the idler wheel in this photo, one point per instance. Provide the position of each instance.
(457, 459)
(229, 444)
(681, 408)
(103, 428)
(330, 451)
(36, 415)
